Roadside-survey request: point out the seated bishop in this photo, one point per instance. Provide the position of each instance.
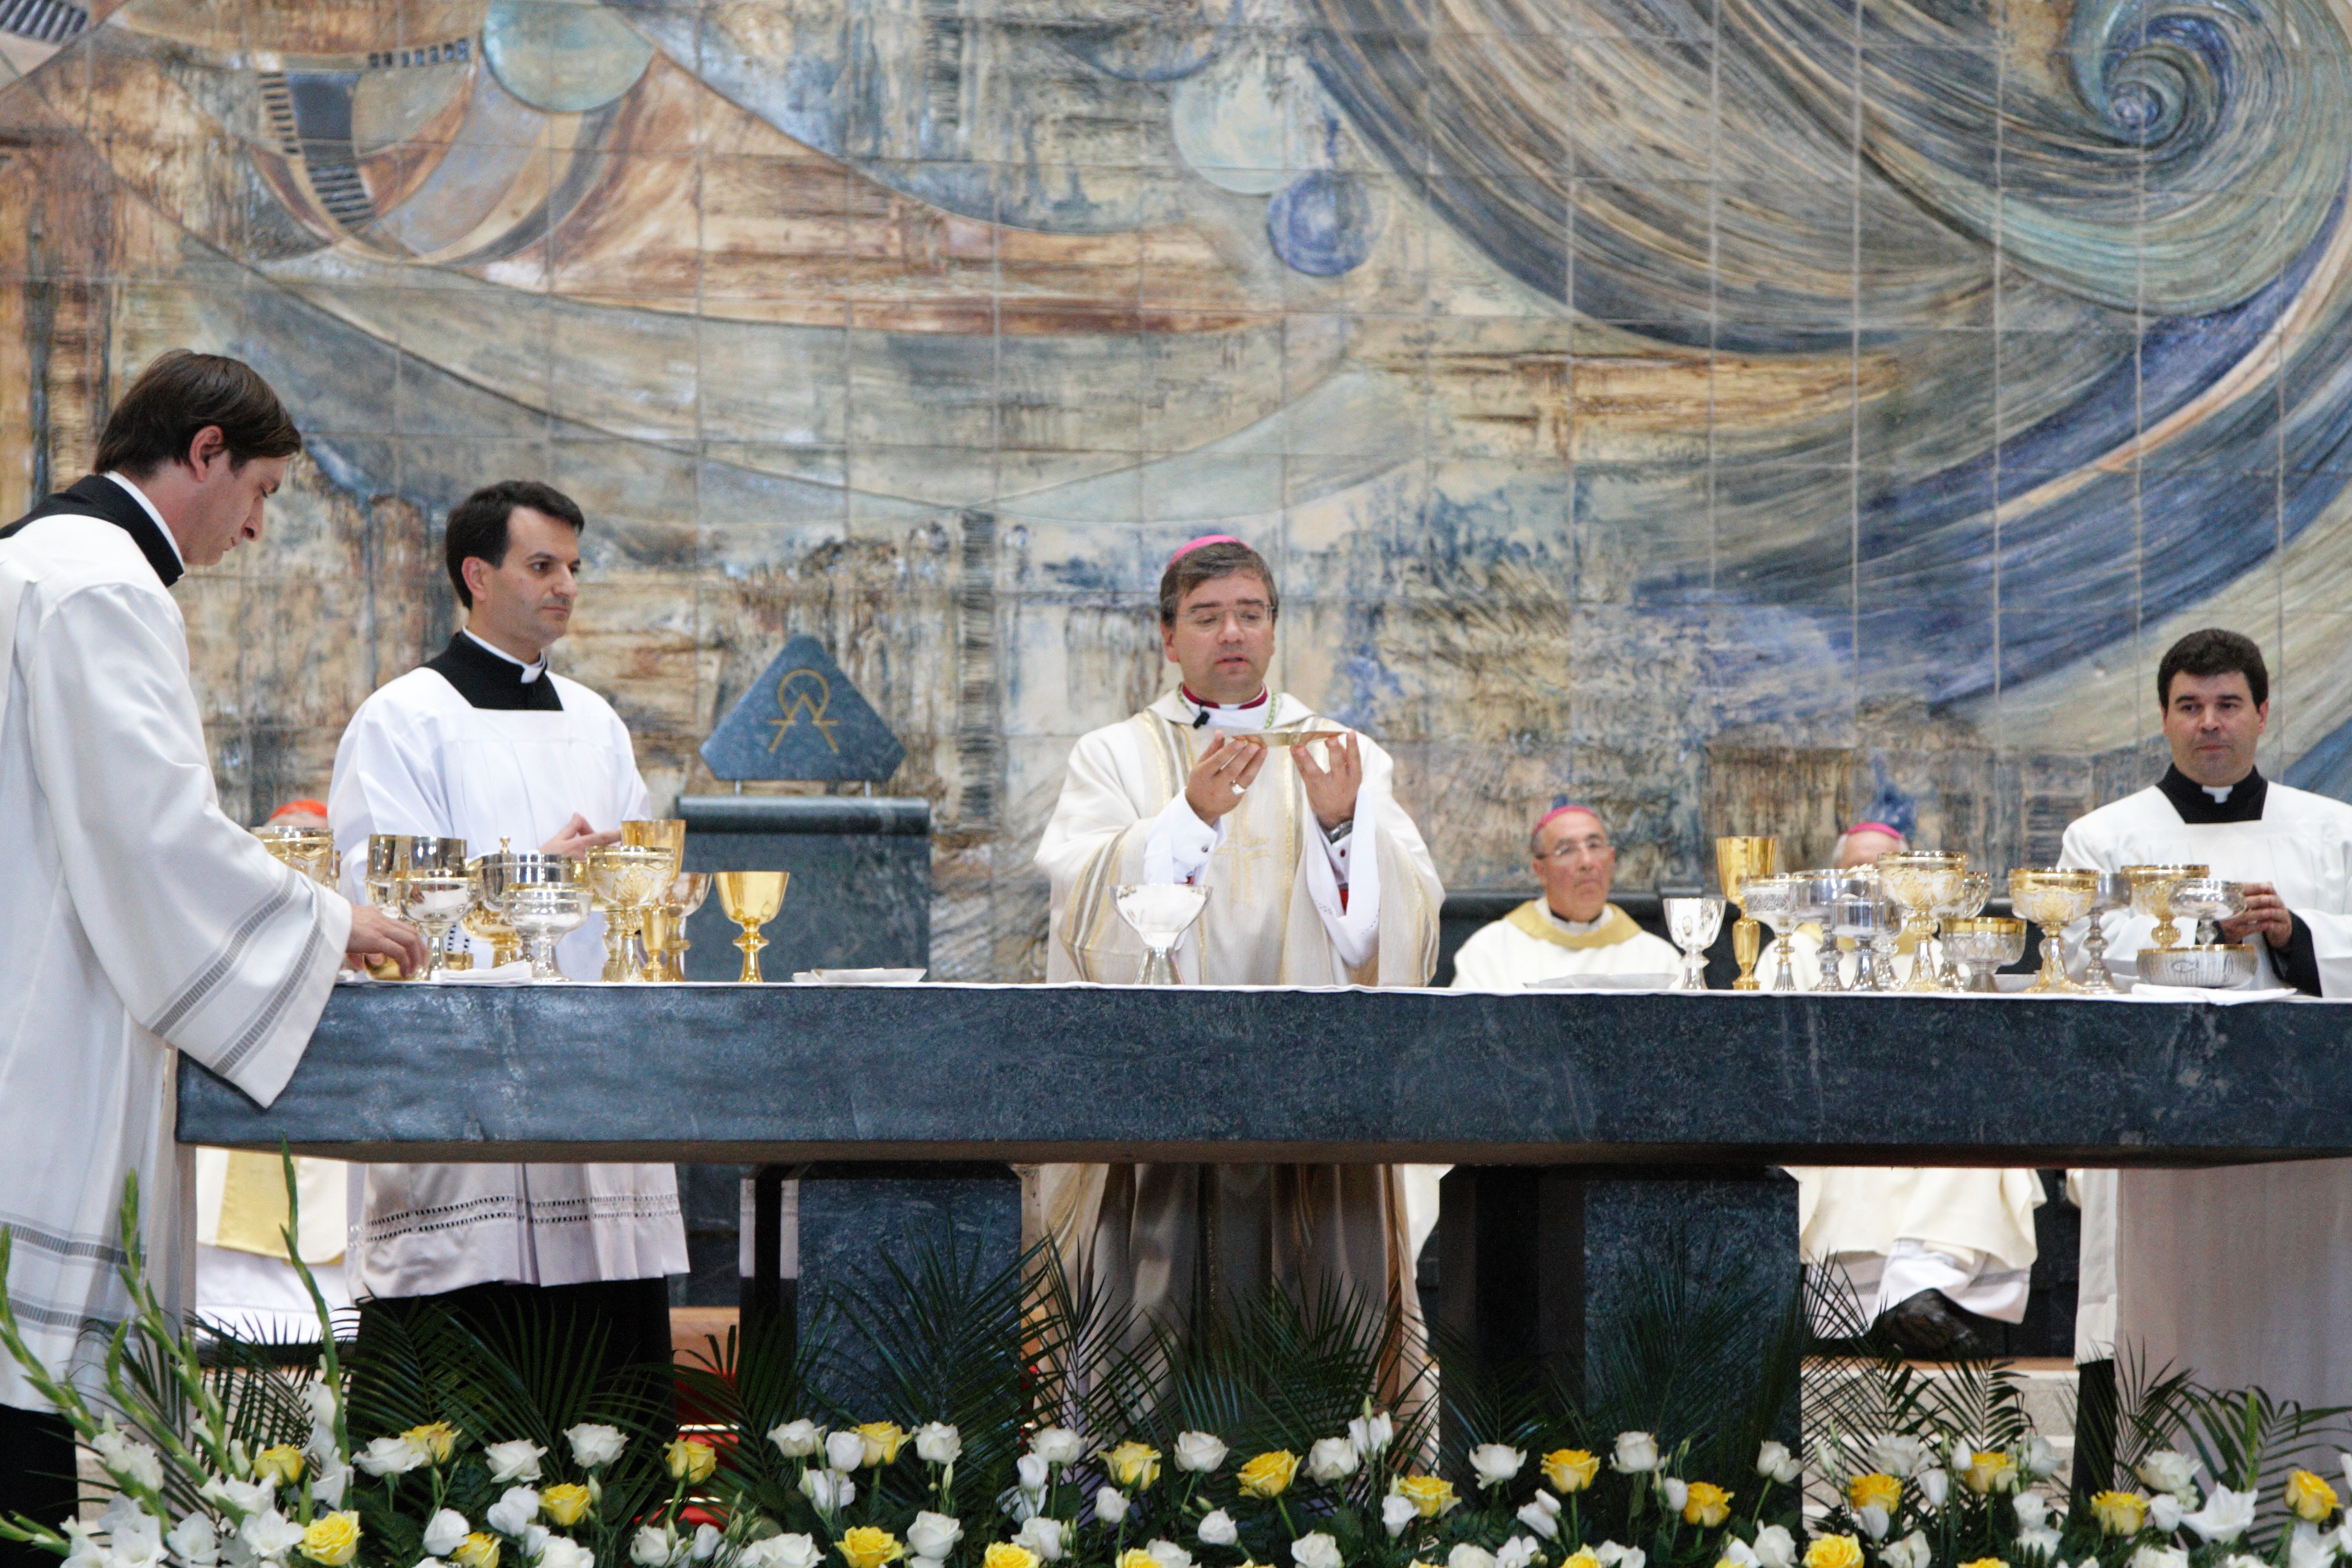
(2192, 1266)
(485, 743)
(1572, 928)
(1315, 876)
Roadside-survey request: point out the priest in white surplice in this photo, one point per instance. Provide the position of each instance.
(2195, 1267)
(484, 742)
(1572, 928)
(1315, 877)
(140, 919)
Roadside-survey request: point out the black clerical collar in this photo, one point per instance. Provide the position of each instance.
(98, 496)
(2200, 809)
(486, 679)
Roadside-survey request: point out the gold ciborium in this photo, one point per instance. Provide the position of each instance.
(629, 879)
(309, 850)
(1919, 880)
(2151, 894)
(750, 899)
(2053, 899)
(1736, 860)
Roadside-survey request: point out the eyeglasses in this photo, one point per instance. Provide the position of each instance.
(1250, 617)
(1596, 844)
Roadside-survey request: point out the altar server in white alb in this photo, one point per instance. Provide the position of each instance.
(1315, 877)
(140, 919)
(484, 742)
(2199, 1266)
(1572, 928)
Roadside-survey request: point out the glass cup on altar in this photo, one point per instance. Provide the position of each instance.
(1160, 913)
(750, 899)
(1693, 922)
(1979, 945)
(543, 898)
(1777, 901)
(2208, 899)
(2115, 892)
(1863, 917)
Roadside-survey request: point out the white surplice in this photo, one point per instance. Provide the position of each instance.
(417, 758)
(2202, 1271)
(1532, 944)
(140, 921)
(1275, 916)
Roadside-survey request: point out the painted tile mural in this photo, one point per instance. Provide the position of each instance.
(1741, 414)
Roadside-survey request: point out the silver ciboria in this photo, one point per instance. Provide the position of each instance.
(543, 898)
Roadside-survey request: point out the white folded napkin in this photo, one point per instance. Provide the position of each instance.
(515, 974)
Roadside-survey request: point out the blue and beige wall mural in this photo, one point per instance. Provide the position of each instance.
(1741, 414)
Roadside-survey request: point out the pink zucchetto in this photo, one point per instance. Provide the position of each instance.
(1562, 810)
(1190, 545)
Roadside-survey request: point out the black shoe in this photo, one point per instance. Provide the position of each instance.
(1930, 1326)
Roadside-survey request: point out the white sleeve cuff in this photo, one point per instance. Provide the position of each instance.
(1353, 923)
(1178, 847)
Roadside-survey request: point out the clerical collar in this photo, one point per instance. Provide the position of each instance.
(1227, 716)
(1578, 928)
(531, 672)
(2198, 809)
(487, 679)
(115, 500)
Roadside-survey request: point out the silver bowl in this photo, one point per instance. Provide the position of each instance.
(2220, 967)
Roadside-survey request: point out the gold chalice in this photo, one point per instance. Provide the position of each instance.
(1736, 860)
(669, 918)
(434, 892)
(642, 951)
(1919, 880)
(484, 922)
(750, 899)
(2053, 899)
(309, 850)
(630, 880)
(2151, 894)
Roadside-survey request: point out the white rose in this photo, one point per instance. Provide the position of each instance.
(1775, 1547)
(783, 1552)
(1775, 1463)
(1373, 1434)
(563, 1552)
(933, 1534)
(1518, 1552)
(1218, 1529)
(1468, 1556)
(1396, 1512)
(1934, 1486)
(1675, 1492)
(195, 1541)
(1911, 1551)
(2041, 1460)
(2226, 1516)
(1331, 1459)
(1498, 1462)
(2032, 1510)
(845, 1450)
(1897, 1455)
(1637, 1452)
(706, 1542)
(2164, 1513)
(937, 1443)
(2159, 1557)
(1612, 1556)
(513, 1512)
(443, 1531)
(515, 1461)
(798, 1439)
(1110, 1507)
(1168, 1554)
(391, 1456)
(1042, 1536)
(2307, 1547)
(1058, 1446)
(649, 1547)
(2039, 1538)
(1542, 1515)
(1199, 1452)
(329, 1482)
(1738, 1551)
(270, 1534)
(595, 1445)
(2166, 1471)
(1315, 1550)
(1873, 1522)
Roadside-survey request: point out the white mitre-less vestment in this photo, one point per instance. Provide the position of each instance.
(2202, 1271)
(1285, 907)
(422, 757)
(142, 921)
(1532, 944)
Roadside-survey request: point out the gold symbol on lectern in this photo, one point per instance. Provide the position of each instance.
(793, 694)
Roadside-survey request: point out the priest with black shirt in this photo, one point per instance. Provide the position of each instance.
(485, 743)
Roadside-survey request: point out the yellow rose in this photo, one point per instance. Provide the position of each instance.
(1430, 1494)
(333, 1539)
(868, 1547)
(1136, 1557)
(1986, 1563)
(1874, 1491)
(691, 1459)
(1268, 1475)
(2121, 1513)
(1705, 1504)
(883, 1439)
(2308, 1498)
(1833, 1552)
(282, 1464)
(1570, 1470)
(565, 1504)
(1133, 1464)
(1004, 1554)
(476, 1550)
(1990, 1472)
(1582, 1557)
(437, 1438)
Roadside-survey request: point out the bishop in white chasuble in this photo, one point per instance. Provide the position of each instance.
(1294, 899)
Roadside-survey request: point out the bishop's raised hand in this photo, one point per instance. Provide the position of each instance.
(1223, 775)
(1331, 786)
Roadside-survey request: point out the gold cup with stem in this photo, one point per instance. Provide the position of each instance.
(434, 891)
(1976, 891)
(1920, 881)
(387, 862)
(630, 879)
(666, 924)
(652, 833)
(2151, 894)
(750, 899)
(486, 921)
(2053, 898)
(1737, 859)
(309, 850)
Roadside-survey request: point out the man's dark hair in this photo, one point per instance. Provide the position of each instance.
(1207, 562)
(178, 394)
(478, 525)
(2213, 652)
